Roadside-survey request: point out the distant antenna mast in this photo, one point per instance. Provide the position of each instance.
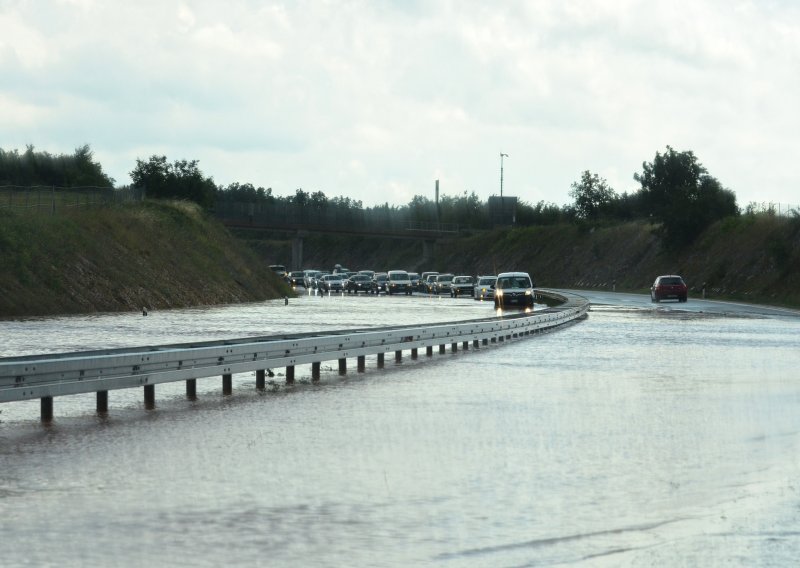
(501, 172)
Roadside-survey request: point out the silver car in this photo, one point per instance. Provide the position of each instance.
(484, 288)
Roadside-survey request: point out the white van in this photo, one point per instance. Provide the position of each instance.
(513, 290)
(398, 282)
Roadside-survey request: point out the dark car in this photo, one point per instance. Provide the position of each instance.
(425, 282)
(462, 286)
(669, 286)
(296, 278)
(379, 282)
(358, 283)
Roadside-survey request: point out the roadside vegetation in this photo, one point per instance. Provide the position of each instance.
(166, 251)
(151, 254)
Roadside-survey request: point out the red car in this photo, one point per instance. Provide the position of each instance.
(669, 287)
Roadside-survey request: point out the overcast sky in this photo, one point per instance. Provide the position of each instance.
(376, 100)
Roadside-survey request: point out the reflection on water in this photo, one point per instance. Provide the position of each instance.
(627, 439)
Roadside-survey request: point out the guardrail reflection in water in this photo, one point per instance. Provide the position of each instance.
(48, 376)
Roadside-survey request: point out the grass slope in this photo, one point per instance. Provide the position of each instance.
(154, 254)
(750, 258)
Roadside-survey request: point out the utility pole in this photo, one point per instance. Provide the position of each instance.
(501, 173)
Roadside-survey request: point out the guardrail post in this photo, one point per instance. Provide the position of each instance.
(429, 351)
(315, 371)
(342, 366)
(191, 389)
(361, 363)
(485, 341)
(454, 346)
(102, 401)
(475, 343)
(398, 356)
(441, 349)
(380, 360)
(149, 396)
(414, 353)
(465, 345)
(227, 383)
(494, 339)
(261, 381)
(290, 374)
(47, 408)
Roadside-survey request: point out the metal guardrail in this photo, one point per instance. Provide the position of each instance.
(47, 376)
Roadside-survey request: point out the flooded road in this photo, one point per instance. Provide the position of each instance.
(646, 435)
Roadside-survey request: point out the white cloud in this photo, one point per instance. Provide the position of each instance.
(375, 100)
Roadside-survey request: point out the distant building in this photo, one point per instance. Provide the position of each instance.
(503, 210)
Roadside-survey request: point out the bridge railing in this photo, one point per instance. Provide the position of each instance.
(280, 214)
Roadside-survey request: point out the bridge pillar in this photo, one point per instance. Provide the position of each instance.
(427, 249)
(297, 253)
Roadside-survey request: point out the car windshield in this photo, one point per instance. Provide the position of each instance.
(462, 280)
(398, 276)
(513, 282)
(380, 277)
(487, 280)
(444, 278)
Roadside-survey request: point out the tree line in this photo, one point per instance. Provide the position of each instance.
(30, 168)
(676, 193)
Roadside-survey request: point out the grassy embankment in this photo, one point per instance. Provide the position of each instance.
(153, 254)
(750, 258)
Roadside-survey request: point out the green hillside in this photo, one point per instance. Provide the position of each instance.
(751, 258)
(156, 255)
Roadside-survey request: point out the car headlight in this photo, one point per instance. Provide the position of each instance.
(527, 292)
(498, 293)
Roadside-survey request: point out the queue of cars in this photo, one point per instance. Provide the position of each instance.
(508, 289)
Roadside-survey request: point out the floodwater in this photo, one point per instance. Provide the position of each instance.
(644, 435)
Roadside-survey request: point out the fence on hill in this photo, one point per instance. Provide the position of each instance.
(50, 200)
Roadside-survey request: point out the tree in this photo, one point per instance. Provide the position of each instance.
(592, 196)
(180, 180)
(677, 191)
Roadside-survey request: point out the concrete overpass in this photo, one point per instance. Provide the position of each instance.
(300, 222)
